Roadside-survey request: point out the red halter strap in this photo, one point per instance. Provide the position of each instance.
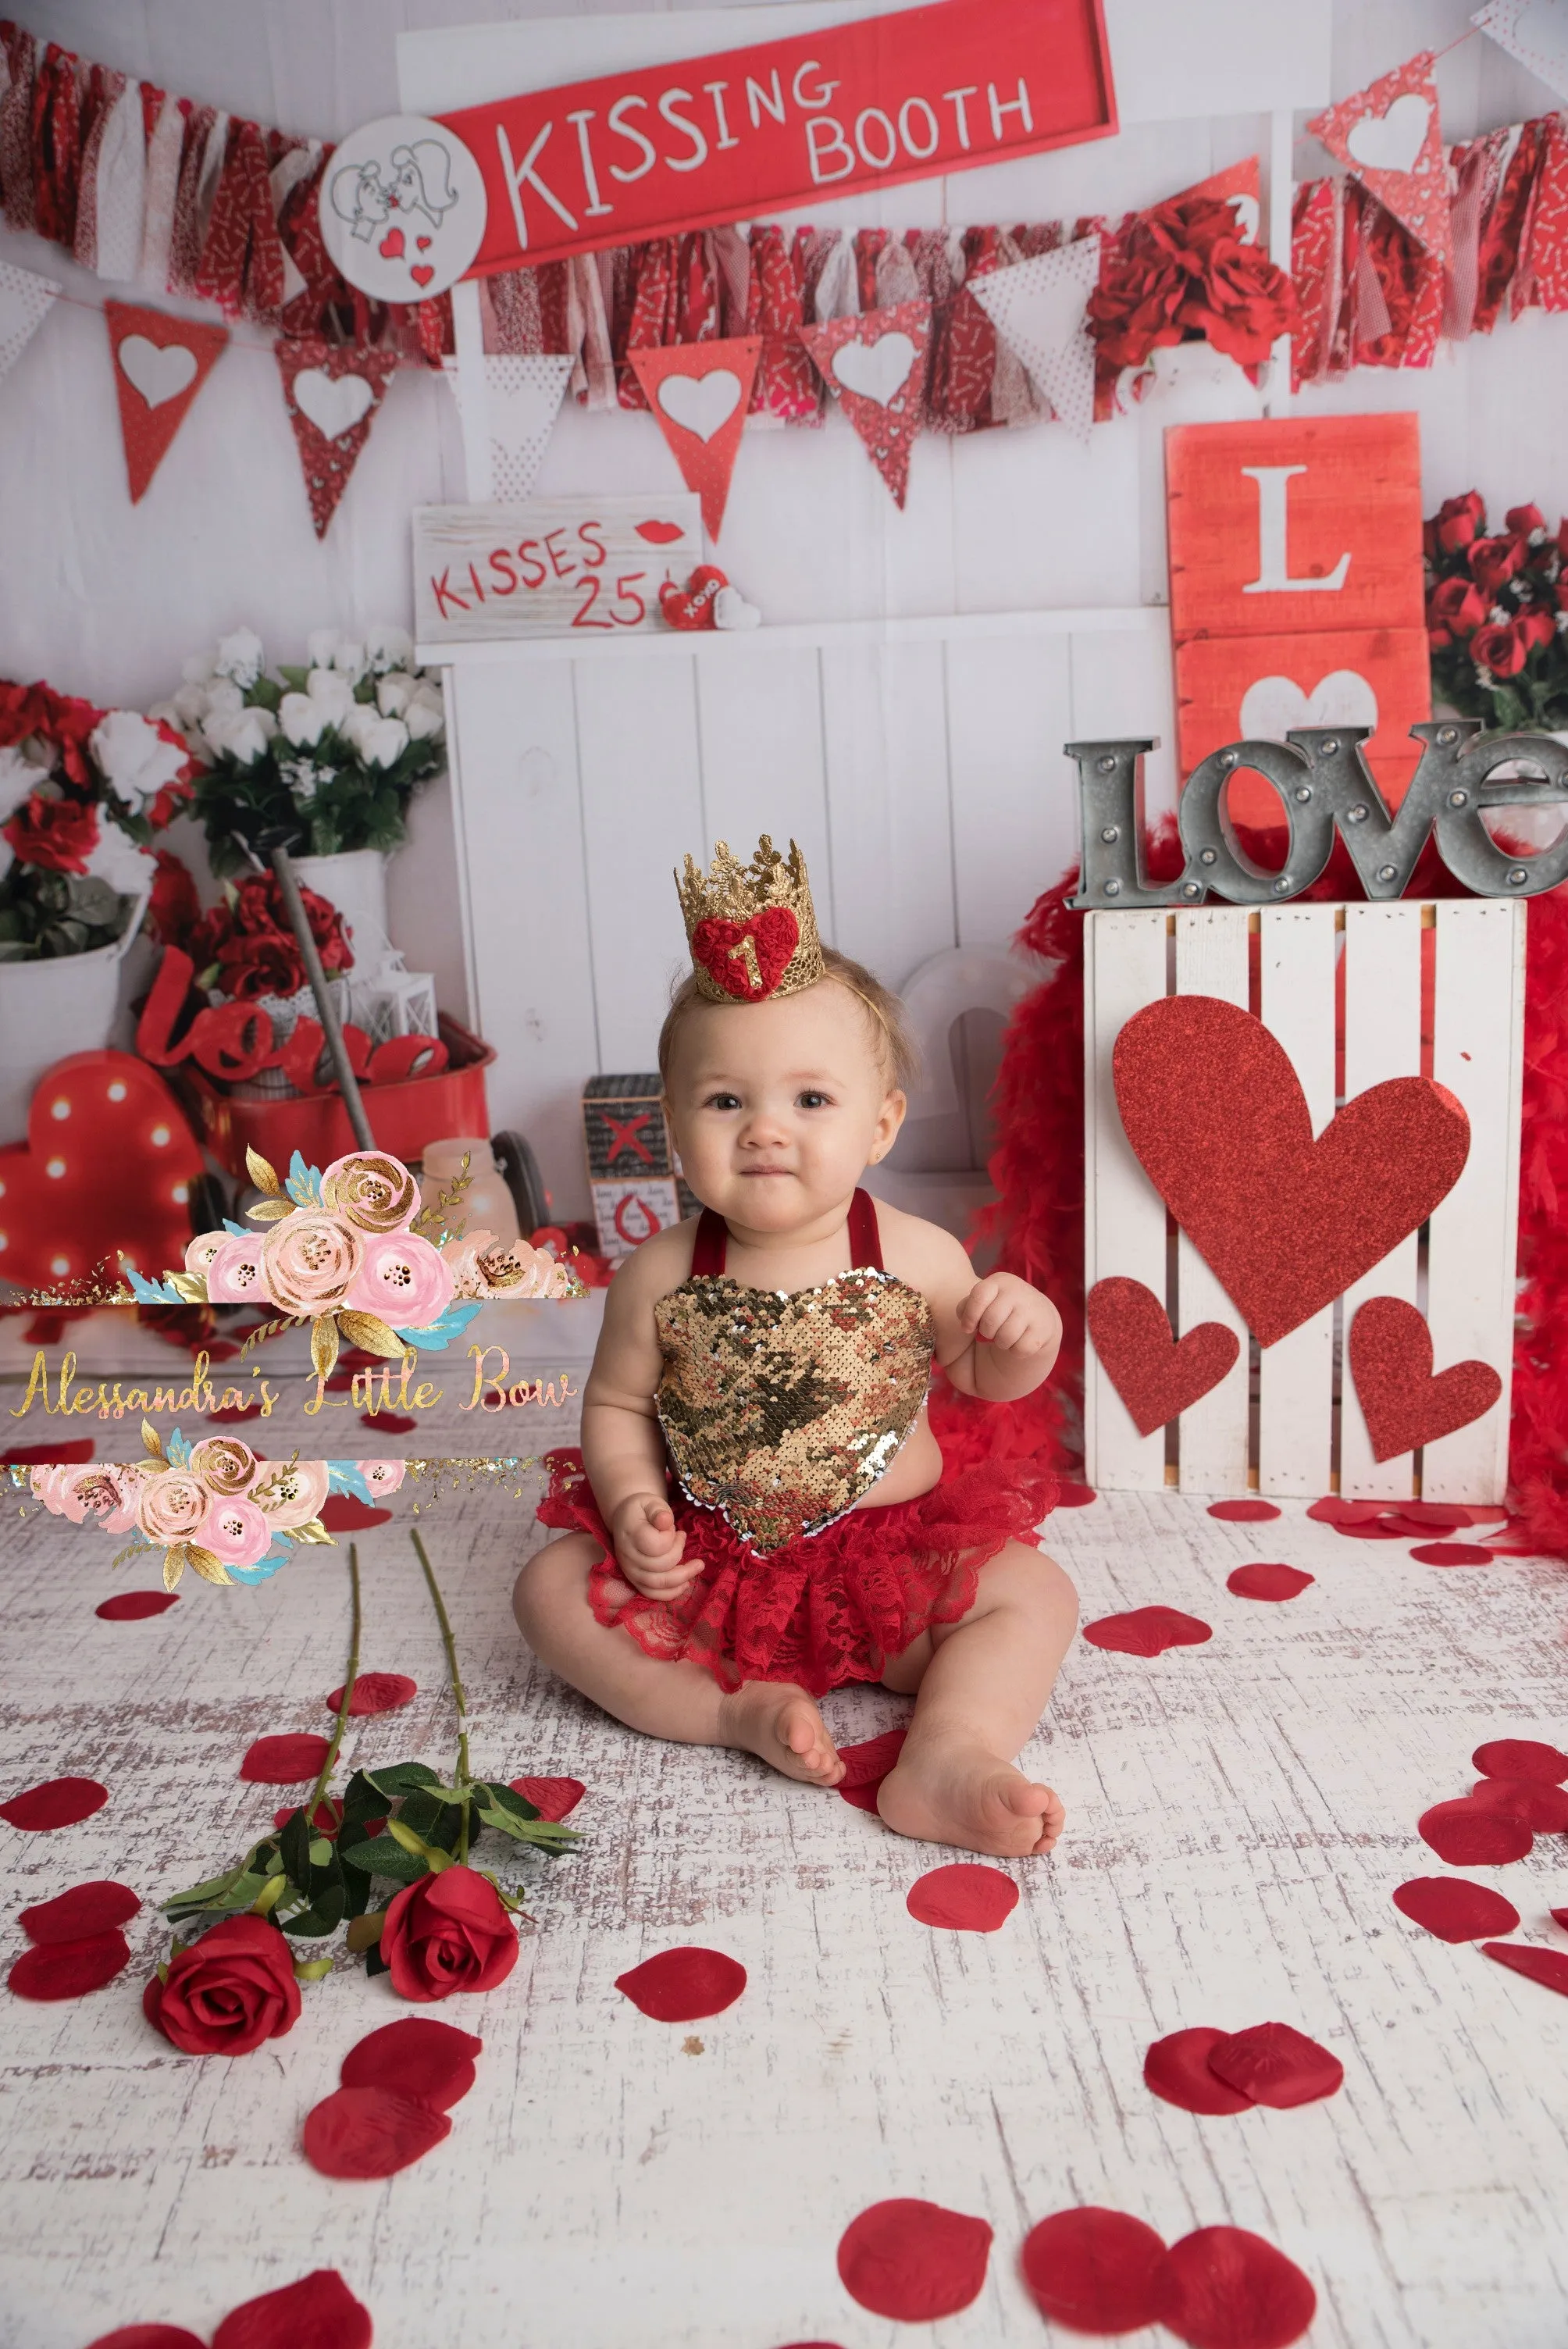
(710, 1248)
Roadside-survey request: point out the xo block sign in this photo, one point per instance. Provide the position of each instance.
(1296, 589)
(633, 1171)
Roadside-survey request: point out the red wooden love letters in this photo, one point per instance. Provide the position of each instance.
(235, 1041)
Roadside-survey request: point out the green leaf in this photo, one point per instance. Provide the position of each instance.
(296, 679)
(374, 1963)
(548, 1835)
(320, 1851)
(386, 1857)
(365, 1932)
(324, 1916)
(294, 1844)
(402, 1778)
(503, 1797)
(216, 1887)
(310, 1969)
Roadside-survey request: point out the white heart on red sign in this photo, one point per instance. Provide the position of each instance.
(700, 403)
(333, 404)
(875, 370)
(1272, 705)
(157, 371)
(1391, 141)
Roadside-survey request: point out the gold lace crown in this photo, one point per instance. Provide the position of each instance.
(751, 928)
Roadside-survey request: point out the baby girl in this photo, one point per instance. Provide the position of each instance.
(773, 1357)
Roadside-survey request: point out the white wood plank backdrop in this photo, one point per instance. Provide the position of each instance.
(918, 763)
(1239, 1814)
(1306, 1436)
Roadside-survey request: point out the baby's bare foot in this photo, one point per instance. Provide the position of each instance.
(950, 1790)
(778, 1722)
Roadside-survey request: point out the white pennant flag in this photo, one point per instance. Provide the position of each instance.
(23, 299)
(522, 396)
(1039, 309)
(1533, 31)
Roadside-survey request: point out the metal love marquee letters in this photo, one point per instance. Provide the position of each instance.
(1324, 783)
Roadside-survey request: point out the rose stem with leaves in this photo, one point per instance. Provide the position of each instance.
(329, 1761)
(459, 1699)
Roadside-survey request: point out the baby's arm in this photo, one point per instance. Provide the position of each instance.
(996, 1338)
(622, 1450)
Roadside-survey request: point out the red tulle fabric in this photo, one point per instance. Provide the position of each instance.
(832, 1608)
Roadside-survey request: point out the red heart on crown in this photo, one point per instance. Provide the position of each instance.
(1220, 1124)
(1403, 1404)
(1156, 1377)
(721, 948)
(691, 606)
(421, 272)
(391, 245)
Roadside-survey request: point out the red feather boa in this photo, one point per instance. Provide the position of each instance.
(1037, 1224)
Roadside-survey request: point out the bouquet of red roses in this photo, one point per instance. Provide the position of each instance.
(244, 947)
(1497, 613)
(1183, 273)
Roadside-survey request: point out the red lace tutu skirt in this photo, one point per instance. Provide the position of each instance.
(825, 1610)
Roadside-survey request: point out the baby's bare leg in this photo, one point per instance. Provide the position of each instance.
(983, 1685)
(774, 1719)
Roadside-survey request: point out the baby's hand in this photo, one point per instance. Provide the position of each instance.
(648, 1549)
(1003, 1311)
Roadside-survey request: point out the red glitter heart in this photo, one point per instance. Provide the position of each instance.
(1156, 1375)
(720, 947)
(1453, 1910)
(1148, 1631)
(913, 2260)
(1402, 1403)
(1093, 2270)
(1217, 1118)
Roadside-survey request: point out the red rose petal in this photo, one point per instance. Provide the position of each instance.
(317, 2313)
(552, 1798)
(1224, 2288)
(866, 1766)
(1177, 2068)
(391, 1422)
(342, 1513)
(328, 1818)
(1276, 2065)
(1548, 1967)
(70, 1455)
(148, 2336)
(1369, 1529)
(86, 1909)
(1094, 2269)
(1560, 1917)
(1453, 1910)
(58, 1803)
(421, 2058)
(1443, 1517)
(370, 2132)
(1075, 1496)
(1451, 1554)
(1470, 1835)
(968, 1899)
(134, 1605)
(1521, 1757)
(864, 1798)
(283, 1761)
(681, 1985)
(375, 1693)
(1332, 1511)
(913, 2260)
(233, 1413)
(1268, 1582)
(69, 1969)
(1542, 1808)
(1147, 1631)
(1242, 1512)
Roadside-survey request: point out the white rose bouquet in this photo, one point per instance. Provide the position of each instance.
(333, 749)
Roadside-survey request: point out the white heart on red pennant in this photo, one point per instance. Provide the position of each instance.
(159, 371)
(333, 404)
(1272, 705)
(1391, 141)
(876, 370)
(700, 403)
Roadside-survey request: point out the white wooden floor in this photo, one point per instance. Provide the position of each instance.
(1238, 1816)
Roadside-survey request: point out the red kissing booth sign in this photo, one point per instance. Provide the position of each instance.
(750, 131)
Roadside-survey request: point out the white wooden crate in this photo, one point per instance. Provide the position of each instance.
(1277, 1423)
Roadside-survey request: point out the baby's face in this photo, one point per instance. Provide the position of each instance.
(779, 1108)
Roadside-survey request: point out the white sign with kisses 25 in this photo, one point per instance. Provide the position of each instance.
(553, 567)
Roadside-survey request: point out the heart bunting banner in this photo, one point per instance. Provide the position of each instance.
(700, 392)
(25, 300)
(1040, 309)
(159, 365)
(332, 391)
(523, 399)
(1390, 137)
(875, 365)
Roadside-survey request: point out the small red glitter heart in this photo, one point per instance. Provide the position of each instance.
(1401, 1401)
(722, 949)
(1156, 1375)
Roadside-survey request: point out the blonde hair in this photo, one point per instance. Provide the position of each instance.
(894, 1045)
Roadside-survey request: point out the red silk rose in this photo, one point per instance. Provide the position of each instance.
(1499, 649)
(228, 1992)
(1458, 519)
(247, 936)
(1521, 520)
(1494, 561)
(1181, 274)
(249, 967)
(1458, 606)
(58, 835)
(174, 909)
(1534, 628)
(448, 1932)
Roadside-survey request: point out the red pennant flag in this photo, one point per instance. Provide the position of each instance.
(1390, 136)
(876, 364)
(159, 365)
(700, 393)
(332, 391)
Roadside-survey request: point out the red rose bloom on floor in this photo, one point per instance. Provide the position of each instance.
(229, 1991)
(448, 1932)
(56, 834)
